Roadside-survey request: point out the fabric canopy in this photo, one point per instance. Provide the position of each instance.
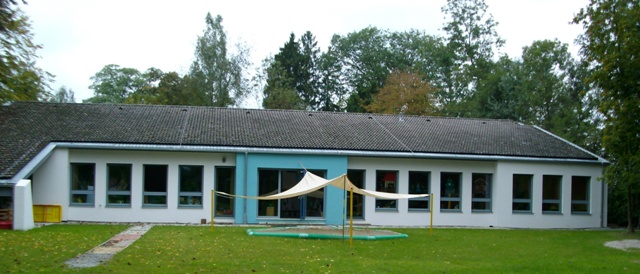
(311, 182)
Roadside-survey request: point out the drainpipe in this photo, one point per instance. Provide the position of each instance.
(246, 166)
(605, 196)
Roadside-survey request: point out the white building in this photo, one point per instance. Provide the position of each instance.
(133, 163)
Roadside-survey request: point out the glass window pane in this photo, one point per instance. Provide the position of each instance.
(155, 185)
(225, 182)
(357, 178)
(82, 183)
(386, 181)
(450, 191)
(268, 184)
(82, 176)
(191, 178)
(551, 193)
(419, 184)
(580, 194)
(522, 192)
(481, 192)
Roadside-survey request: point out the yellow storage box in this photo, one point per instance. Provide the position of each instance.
(47, 213)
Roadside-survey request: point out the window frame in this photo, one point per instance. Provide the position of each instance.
(558, 202)
(586, 202)
(515, 200)
(444, 198)
(357, 197)
(90, 191)
(383, 185)
(412, 190)
(154, 193)
(488, 177)
(278, 205)
(119, 192)
(231, 211)
(189, 195)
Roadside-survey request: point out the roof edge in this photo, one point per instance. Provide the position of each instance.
(44, 154)
(600, 159)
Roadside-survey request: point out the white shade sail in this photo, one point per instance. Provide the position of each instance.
(311, 182)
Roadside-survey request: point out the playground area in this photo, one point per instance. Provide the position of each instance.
(326, 232)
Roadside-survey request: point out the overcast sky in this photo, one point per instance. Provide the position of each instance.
(80, 37)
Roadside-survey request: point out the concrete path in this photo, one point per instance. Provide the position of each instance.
(108, 249)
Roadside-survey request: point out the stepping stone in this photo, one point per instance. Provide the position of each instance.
(108, 249)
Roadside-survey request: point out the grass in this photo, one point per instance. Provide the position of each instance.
(194, 249)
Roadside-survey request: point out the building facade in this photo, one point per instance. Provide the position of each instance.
(123, 163)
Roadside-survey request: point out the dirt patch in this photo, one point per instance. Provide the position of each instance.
(624, 244)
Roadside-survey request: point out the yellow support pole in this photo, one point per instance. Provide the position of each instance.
(351, 218)
(213, 197)
(431, 210)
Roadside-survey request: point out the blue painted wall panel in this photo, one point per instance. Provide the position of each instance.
(334, 166)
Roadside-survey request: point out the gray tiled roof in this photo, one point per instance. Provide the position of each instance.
(27, 127)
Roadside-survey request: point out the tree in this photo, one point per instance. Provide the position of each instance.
(63, 95)
(20, 78)
(405, 93)
(545, 66)
(471, 40)
(610, 43)
(295, 68)
(114, 84)
(215, 73)
(498, 95)
(280, 91)
(363, 58)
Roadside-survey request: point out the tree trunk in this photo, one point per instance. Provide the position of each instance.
(630, 228)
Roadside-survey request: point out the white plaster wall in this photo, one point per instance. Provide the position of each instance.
(404, 217)
(53, 184)
(51, 181)
(501, 214)
(537, 219)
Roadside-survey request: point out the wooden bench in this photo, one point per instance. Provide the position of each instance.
(5, 215)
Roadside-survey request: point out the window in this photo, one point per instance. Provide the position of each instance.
(521, 193)
(82, 183)
(155, 185)
(450, 191)
(357, 178)
(551, 193)
(275, 181)
(419, 184)
(481, 192)
(580, 194)
(386, 181)
(6, 198)
(190, 193)
(119, 185)
(225, 182)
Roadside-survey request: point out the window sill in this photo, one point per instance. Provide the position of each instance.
(154, 206)
(581, 213)
(450, 211)
(418, 210)
(118, 206)
(189, 206)
(82, 205)
(551, 213)
(394, 210)
(482, 211)
(522, 212)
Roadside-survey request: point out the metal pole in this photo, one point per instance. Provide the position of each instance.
(213, 197)
(351, 218)
(431, 210)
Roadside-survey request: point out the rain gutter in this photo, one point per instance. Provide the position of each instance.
(46, 152)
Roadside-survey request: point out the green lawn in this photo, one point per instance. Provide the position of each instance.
(194, 249)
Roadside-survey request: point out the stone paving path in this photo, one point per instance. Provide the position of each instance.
(108, 249)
